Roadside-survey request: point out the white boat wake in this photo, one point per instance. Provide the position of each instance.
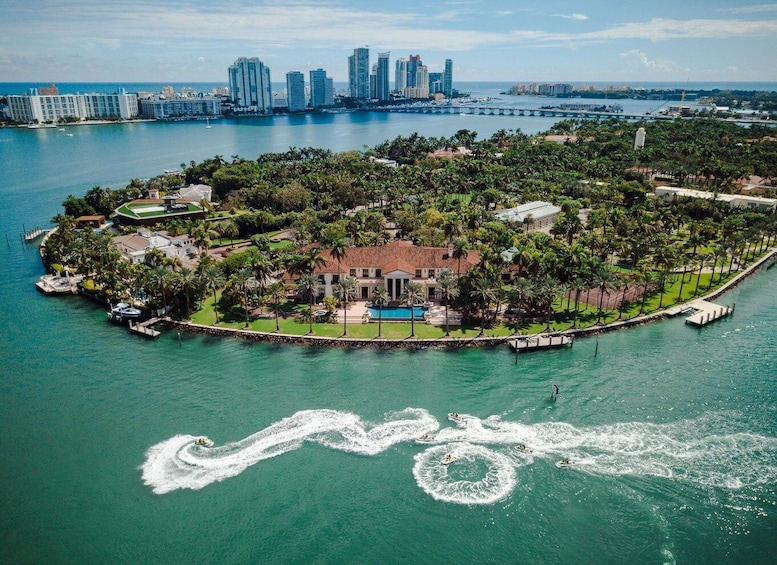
(698, 451)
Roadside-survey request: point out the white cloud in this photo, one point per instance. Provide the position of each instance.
(750, 9)
(579, 17)
(639, 59)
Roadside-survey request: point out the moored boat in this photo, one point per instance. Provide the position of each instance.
(123, 311)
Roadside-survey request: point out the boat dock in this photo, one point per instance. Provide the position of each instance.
(540, 342)
(145, 329)
(32, 235)
(706, 312)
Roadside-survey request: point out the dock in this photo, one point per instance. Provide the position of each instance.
(706, 312)
(32, 235)
(540, 342)
(145, 329)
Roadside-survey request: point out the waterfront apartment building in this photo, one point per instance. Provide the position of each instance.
(420, 88)
(359, 73)
(413, 62)
(400, 76)
(249, 86)
(322, 91)
(382, 78)
(447, 79)
(36, 108)
(295, 91)
(160, 108)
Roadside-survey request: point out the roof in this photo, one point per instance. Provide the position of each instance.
(397, 256)
(537, 210)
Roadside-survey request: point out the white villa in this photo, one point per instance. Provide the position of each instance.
(134, 247)
(758, 203)
(534, 215)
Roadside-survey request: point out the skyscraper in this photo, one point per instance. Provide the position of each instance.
(295, 91)
(400, 76)
(413, 62)
(359, 73)
(321, 89)
(249, 85)
(447, 79)
(382, 79)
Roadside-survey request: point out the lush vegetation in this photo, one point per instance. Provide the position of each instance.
(615, 251)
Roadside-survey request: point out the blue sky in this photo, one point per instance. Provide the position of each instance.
(181, 40)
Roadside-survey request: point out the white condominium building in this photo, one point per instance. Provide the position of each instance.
(53, 108)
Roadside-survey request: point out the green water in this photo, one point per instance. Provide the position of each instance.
(673, 429)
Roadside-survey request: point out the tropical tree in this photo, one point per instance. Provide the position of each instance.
(380, 296)
(309, 286)
(244, 280)
(346, 291)
(276, 292)
(448, 283)
(213, 278)
(412, 294)
(483, 291)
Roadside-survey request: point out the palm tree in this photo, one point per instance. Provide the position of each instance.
(309, 286)
(346, 291)
(483, 290)
(448, 283)
(186, 281)
(242, 279)
(380, 296)
(605, 282)
(412, 294)
(338, 252)
(277, 293)
(459, 252)
(213, 278)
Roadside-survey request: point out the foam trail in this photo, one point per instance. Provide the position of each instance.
(177, 463)
(463, 481)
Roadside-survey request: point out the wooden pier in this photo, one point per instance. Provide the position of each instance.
(706, 312)
(32, 235)
(145, 329)
(540, 342)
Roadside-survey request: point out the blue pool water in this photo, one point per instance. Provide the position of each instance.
(397, 312)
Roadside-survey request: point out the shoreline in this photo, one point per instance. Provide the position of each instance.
(454, 343)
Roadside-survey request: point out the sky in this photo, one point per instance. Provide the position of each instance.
(622, 41)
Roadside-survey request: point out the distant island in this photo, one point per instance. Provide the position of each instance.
(588, 223)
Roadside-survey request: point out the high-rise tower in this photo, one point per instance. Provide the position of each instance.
(321, 89)
(447, 79)
(382, 85)
(413, 62)
(249, 85)
(359, 73)
(295, 91)
(400, 76)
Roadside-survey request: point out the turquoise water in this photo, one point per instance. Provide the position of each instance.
(673, 429)
(396, 312)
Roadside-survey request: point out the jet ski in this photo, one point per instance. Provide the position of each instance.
(448, 459)
(455, 417)
(204, 442)
(426, 438)
(564, 463)
(522, 447)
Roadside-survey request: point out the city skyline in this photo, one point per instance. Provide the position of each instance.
(151, 40)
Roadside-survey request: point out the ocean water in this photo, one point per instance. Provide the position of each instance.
(673, 430)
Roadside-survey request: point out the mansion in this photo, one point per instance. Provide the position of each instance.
(392, 266)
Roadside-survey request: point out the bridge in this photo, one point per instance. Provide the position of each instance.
(494, 110)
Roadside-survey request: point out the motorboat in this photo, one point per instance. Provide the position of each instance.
(455, 417)
(564, 463)
(426, 438)
(522, 448)
(123, 311)
(448, 459)
(203, 442)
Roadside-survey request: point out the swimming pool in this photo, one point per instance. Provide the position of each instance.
(397, 312)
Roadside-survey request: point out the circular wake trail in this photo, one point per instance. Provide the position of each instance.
(177, 463)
